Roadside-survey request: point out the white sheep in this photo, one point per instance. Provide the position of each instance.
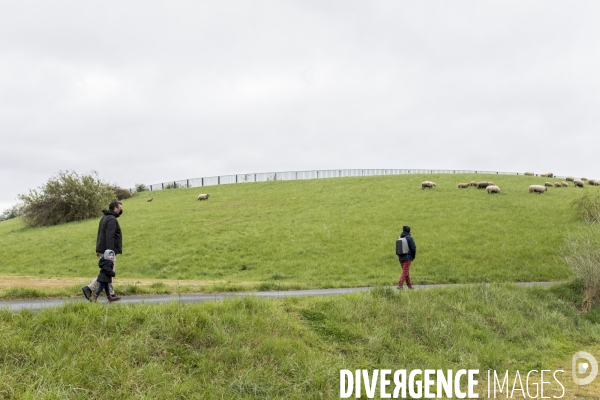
(557, 184)
(203, 196)
(150, 199)
(493, 189)
(583, 179)
(569, 179)
(529, 173)
(548, 184)
(473, 183)
(564, 184)
(548, 175)
(463, 185)
(578, 183)
(428, 184)
(594, 182)
(484, 184)
(537, 189)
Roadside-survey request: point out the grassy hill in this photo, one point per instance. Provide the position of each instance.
(317, 233)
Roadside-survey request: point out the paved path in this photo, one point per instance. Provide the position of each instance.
(18, 305)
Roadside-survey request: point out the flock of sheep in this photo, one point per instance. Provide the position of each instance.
(492, 188)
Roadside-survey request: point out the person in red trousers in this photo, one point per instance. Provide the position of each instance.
(407, 259)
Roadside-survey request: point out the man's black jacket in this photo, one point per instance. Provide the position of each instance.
(109, 233)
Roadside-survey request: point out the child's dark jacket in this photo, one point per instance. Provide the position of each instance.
(106, 271)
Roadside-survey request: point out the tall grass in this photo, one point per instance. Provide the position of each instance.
(294, 348)
(318, 233)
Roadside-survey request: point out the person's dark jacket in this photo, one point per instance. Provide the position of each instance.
(412, 248)
(109, 233)
(106, 270)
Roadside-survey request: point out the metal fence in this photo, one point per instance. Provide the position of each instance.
(299, 175)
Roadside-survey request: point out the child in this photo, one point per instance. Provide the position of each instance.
(106, 265)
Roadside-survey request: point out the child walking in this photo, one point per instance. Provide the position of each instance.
(106, 265)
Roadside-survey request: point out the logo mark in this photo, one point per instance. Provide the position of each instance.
(581, 368)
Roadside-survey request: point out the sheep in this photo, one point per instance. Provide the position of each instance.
(569, 179)
(492, 189)
(203, 196)
(150, 199)
(548, 184)
(564, 184)
(578, 183)
(463, 185)
(529, 173)
(537, 189)
(557, 184)
(428, 184)
(483, 184)
(594, 182)
(583, 179)
(472, 183)
(548, 175)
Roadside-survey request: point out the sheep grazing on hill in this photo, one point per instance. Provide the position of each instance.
(150, 199)
(529, 173)
(537, 189)
(493, 189)
(583, 179)
(578, 183)
(564, 184)
(428, 184)
(473, 183)
(484, 184)
(548, 175)
(569, 179)
(463, 185)
(548, 184)
(594, 182)
(203, 196)
(557, 184)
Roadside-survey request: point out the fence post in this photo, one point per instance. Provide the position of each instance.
(254, 177)
(218, 180)
(236, 178)
(202, 182)
(187, 183)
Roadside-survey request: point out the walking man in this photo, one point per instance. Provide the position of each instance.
(407, 259)
(109, 237)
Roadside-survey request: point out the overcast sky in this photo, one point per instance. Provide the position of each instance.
(152, 91)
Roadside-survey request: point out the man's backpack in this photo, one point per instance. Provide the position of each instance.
(401, 246)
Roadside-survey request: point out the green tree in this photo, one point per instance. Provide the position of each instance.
(66, 197)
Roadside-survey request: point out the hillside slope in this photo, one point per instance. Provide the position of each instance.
(318, 233)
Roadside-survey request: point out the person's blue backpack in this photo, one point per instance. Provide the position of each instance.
(401, 246)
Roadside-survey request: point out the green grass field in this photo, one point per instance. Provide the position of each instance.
(287, 349)
(317, 233)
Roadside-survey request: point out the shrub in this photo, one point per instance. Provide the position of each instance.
(120, 193)
(582, 255)
(588, 207)
(66, 197)
(12, 212)
(174, 185)
(140, 187)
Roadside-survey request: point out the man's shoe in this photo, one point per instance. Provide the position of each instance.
(87, 292)
(94, 298)
(113, 298)
(399, 287)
